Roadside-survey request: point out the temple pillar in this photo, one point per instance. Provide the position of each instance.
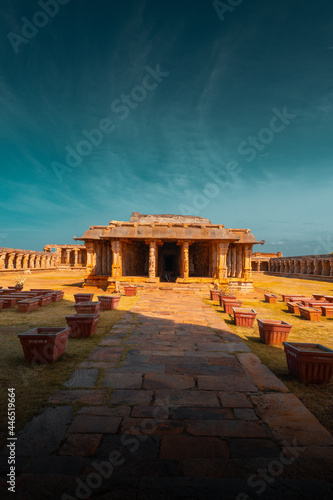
(76, 257)
(25, 261)
(233, 261)
(152, 259)
(19, 258)
(37, 261)
(32, 261)
(2, 260)
(90, 257)
(331, 267)
(239, 261)
(316, 267)
(68, 256)
(48, 261)
(222, 250)
(247, 253)
(10, 264)
(116, 258)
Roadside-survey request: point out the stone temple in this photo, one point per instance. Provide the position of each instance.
(153, 248)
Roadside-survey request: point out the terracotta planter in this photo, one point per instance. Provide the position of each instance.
(45, 300)
(286, 298)
(299, 299)
(271, 298)
(214, 295)
(327, 310)
(44, 345)
(310, 313)
(42, 291)
(8, 291)
(1, 304)
(316, 304)
(8, 302)
(329, 298)
(309, 363)
(222, 297)
(293, 307)
(83, 297)
(244, 316)
(229, 304)
(57, 295)
(87, 307)
(130, 291)
(82, 325)
(273, 332)
(318, 296)
(28, 305)
(109, 302)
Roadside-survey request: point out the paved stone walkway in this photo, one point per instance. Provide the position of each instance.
(173, 405)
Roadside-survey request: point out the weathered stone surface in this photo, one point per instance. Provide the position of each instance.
(85, 396)
(89, 424)
(261, 375)
(151, 426)
(289, 419)
(82, 378)
(201, 413)
(131, 397)
(104, 411)
(182, 447)
(106, 354)
(225, 428)
(233, 377)
(153, 381)
(83, 445)
(253, 448)
(193, 398)
(45, 432)
(123, 381)
(235, 400)
(245, 414)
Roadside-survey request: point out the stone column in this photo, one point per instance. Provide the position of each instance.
(76, 257)
(229, 262)
(116, 258)
(68, 256)
(25, 261)
(152, 259)
(2, 260)
(37, 261)
(308, 266)
(247, 252)
(32, 261)
(11, 257)
(222, 250)
(316, 267)
(19, 258)
(90, 251)
(48, 261)
(233, 261)
(331, 267)
(239, 261)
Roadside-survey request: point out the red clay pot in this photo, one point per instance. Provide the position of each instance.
(228, 305)
(244, 316)
(318, 296)
(310, 313)
(57, 295)
(286, 298)
(44, 345)
(293, 307)
(130, 291)
(309, 363)
(1, 304)
(86, 307)
(327, 310)
(273, 332)
(8, 302)
(82, 325)
(271, 298)
(222, 297)
(83, 297)
(214, 295)
(109, 302)
(28, 305)
(45, 300)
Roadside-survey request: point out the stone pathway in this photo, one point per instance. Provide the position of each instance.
(173, 405)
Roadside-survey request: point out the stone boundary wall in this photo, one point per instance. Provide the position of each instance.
(13, 259)
(320, 266)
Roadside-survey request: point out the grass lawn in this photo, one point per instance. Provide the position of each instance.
(34, 384)
(318, 398)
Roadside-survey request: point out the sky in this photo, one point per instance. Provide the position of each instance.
(222, 110)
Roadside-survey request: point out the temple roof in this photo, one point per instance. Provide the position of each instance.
(185, 219)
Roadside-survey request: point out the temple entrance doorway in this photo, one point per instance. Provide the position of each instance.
(169, 261)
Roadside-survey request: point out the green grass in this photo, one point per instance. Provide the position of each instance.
(317, 398)
(34, 384)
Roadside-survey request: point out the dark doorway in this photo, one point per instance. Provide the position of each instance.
(169, 263)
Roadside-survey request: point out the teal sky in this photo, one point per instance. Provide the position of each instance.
(194, 107)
